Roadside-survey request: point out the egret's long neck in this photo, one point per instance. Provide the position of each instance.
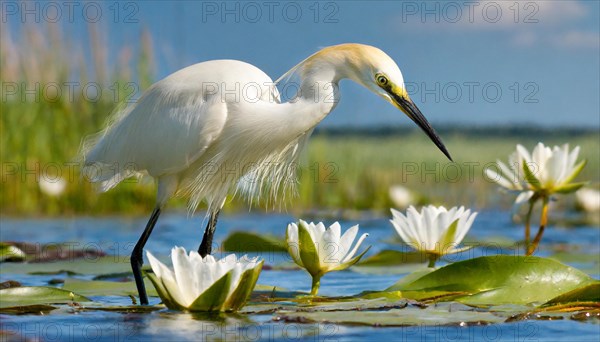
(318, 91)
(320, 86)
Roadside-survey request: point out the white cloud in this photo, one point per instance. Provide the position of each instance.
(527, 23)
(577, 39)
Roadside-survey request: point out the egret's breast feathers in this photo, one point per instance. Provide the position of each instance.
(256, 155)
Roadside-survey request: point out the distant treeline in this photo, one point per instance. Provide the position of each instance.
(473, 131)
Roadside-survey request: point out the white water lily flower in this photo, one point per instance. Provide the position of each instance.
(435, 230)
(401, 196)
(204, 284)
(551, 170)
(320, 250)
(52, 187)
(511, 176)
(538, 176)
(545, 171)
(588, 199)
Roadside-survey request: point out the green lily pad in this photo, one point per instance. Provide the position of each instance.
(588, 293)
(416, 295)
(352, 304)
(388, 295)
(264, 293)
(315, 304)
(500, 279)
(387, 270)
(391, 262)
(251, 242)
(106, 288)
(92, 266)
(409, 316)
(27, 309)
(37, 295)
(122, 308)
(263, 308)
(409, 278)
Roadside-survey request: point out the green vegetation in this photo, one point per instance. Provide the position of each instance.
(338, 172)
(52, 99)
(366, 167)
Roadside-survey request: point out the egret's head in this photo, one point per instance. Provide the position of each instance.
(374, 69)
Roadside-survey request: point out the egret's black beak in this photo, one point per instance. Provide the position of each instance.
(410, 109)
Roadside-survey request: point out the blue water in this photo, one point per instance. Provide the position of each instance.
(117, 235)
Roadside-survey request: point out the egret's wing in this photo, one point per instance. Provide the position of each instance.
(175, 121)
(163, 133)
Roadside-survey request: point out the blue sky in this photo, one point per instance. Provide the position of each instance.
(465, 63)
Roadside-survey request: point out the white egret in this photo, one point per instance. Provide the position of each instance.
(201, 129)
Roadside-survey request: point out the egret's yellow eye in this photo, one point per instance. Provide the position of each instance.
(381, 80)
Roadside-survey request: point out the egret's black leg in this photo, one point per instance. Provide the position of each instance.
(137, 257)
(206, 245)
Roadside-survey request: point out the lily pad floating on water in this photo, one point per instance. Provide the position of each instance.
(106, 288)
(408, 316)
(496, 280)
(92, 266)
(27, 309)
(267, 293)
(393, 258)
(20, 297)
(391, 262)
(589, 293)
(250, 242)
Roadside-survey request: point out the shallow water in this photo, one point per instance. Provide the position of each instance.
(117, 235)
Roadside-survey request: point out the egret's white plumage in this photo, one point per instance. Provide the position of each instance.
(187, 128)
(218, 127)
(202, 128)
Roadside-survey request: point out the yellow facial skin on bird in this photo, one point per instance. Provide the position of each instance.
(392, 89)
(398, 96)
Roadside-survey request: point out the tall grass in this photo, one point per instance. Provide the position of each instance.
(52, 97)
(41, 131)
(366, 167)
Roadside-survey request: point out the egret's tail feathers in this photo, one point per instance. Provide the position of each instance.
(101, 157)
(108, 175)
